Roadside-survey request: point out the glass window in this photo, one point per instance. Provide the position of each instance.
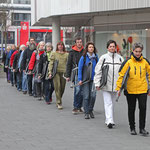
(124, 38)
(22, 1)
(5, 1)
(10, 37)
(37, 35)
(18, 17)
(48, 37)
(41, 36)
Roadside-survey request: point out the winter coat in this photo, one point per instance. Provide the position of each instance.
(34, 58)
(4, 60)
(20, 60)
(137, 82)
(16, 60)
(114, 61)
(73, 59)
(26, 58)
(62, 61)
(8, 57)
(43, 65)
(12, 58)
(85, 61)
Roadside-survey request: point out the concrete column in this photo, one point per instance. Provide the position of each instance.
(148, 44)
(55, 31)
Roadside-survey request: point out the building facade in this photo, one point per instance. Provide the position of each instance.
(20, 11)
(17, 11)
(126, 21)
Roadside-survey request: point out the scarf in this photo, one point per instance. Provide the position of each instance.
(91, 57)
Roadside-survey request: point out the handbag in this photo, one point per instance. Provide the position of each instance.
(87, 72)
(74, 73)
(54, 70)
(104, 69)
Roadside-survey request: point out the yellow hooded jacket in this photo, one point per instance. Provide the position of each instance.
(137, 82)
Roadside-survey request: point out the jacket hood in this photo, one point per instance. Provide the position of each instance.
(74, 47)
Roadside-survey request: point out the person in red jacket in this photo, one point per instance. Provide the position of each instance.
(13, 56)
(14, 75)
(33, 68)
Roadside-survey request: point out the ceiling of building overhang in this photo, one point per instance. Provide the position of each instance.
(67, 20)
(85, 19)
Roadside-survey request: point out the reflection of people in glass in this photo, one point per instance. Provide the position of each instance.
(49, 37)
(137, 87)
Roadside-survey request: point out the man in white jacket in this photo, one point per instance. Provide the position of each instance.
(114, 61)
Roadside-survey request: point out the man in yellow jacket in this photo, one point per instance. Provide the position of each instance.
(137, 87)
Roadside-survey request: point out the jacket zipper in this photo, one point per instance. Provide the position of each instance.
(140, 72)
(113, 72)
(135, 70)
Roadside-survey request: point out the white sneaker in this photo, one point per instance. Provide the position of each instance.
(59, 106)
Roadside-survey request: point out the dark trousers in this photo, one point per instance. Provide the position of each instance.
(131, 100)
(37, 91)
(6, 71)
(29, 79)
(48, 88)
(11, 77)
(19, 80)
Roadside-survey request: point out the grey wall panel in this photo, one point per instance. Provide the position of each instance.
(106, 5)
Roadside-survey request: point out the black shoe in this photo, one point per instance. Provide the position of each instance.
(87, 116)
(30, 94)
(24, 92)
(143, 132)
(35, 96)
(110, 125)
(75, 111)
(80, 111)
(92, 115)
(133, 132)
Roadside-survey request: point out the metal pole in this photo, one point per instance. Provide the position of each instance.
(44, 36)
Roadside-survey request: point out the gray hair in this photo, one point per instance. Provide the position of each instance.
(8, 47)
(22, 46)
(138, 45)
(49, 44)
(42, 42)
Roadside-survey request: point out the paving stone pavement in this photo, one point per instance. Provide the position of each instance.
(29, 124)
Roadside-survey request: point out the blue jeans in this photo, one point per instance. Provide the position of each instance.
(89, 97)
(78, 98)
(24, 82)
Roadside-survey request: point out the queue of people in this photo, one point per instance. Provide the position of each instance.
(39, 70)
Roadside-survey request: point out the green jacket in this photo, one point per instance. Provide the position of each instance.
(62, 58)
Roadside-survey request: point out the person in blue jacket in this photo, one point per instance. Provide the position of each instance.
(89, 96)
